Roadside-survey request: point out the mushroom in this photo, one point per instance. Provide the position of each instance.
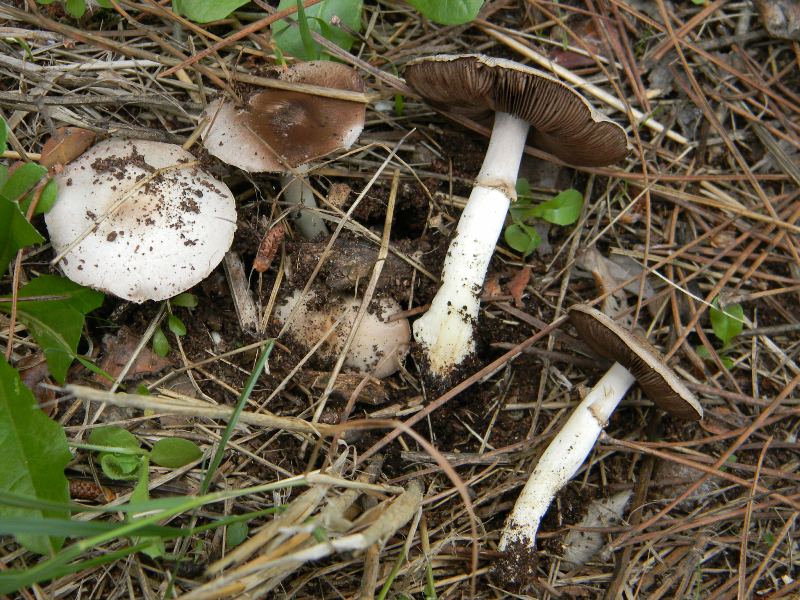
(281, 131)
(378, 347)
(635, 360)
(140, 220)
(563, 123)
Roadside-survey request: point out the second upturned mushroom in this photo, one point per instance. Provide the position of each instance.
(635, 360)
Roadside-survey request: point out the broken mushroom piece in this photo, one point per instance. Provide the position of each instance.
(281, 131)
(522, 100)
(140, 220)
(379, 346)
(635, 360)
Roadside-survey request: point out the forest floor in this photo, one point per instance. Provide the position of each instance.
(703, 211)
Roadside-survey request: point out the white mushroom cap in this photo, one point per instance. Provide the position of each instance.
(378, 347)
(172, 229)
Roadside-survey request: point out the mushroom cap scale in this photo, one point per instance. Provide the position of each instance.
(608, 339)
(168, 234)
(277, 129)
(563, 122)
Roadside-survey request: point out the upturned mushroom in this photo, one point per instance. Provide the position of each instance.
(282, 131)
(636, 360)
(379, 346)
(527, 104)
(140, 220)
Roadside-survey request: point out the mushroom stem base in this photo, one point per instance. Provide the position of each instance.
(446, 330)
(562, 459)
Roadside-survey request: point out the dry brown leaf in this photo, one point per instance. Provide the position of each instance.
(33, 370)
(117, 350)
(268, 248)
(67, 145)
(492, 286)
(516, 287)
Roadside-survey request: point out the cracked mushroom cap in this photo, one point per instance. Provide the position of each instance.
(157, 233)
(658, 381)
(295, 126)
(563, 122)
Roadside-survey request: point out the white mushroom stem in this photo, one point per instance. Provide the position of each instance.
(446, 330)
(297, 192)
(562, 459)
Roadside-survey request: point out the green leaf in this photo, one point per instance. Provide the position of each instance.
(185, 300)
(727, 324)
(34, 450)
(521, 209)
(114, 436)
(523, 189)
(174, 452)
(3, 135)
(703, 352)
(564, 209)
(309, 47)
(235, 534)
(160, 343)
(15, 232)
(289, 40)
(205, 11)
(176, 326)
(448, 12)
(56, 325)
(75, 8)
(19, 187)
(46, 199)
(120, 466)
(522, 238)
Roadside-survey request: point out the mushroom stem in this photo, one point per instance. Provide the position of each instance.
(297, 192)
(446, 330)
(560, 461)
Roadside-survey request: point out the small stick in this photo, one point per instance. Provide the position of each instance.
(242, 300)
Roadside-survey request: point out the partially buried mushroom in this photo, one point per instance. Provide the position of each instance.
(635, 360)
(277, 130)
(140, 220)
(379, 345)
(526, 104)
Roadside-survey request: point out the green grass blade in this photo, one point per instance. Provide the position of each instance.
(226, 436)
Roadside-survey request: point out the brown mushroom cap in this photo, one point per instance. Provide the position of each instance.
(563, 122)
(658, 381)
(280, 128)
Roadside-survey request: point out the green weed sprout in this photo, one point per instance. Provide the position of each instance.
(726, 323)
(563, 209)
